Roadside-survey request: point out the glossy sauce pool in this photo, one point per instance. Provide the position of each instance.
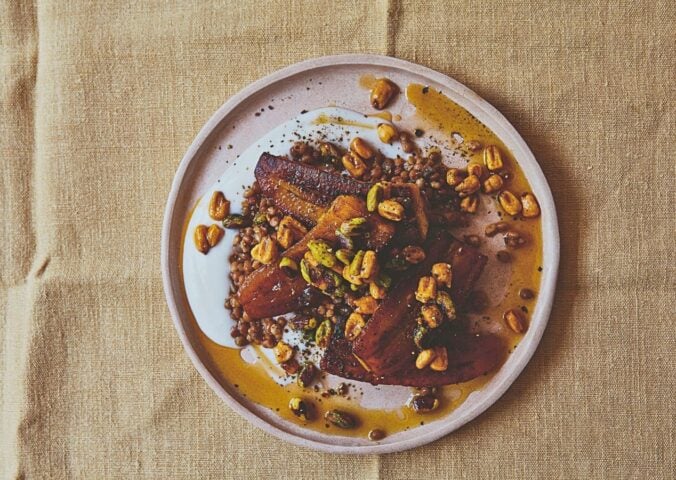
(435, 112)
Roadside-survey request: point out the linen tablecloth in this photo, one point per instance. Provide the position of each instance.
(99, 101)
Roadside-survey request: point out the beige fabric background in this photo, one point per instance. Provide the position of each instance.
(99, 103)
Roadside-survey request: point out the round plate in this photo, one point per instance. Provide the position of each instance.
(333, 81)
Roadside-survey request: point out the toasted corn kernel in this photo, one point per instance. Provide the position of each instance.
(219, 207)
(201, 239)
(493, 183)
(288, 266)
(376, 291)
(493, 158)
(285, 237)
(374, 197)
(470, 204)
(283, 352)
(366, 305)
(454, 177)
(323, 333)
(322, 252)
(391, 210)
(265, 251)
(382, 92)
(354, 165)
(344, 256)
(340, 419)
(427, 289)
(443, 274)
(468, 186)
(214, 235)
(431, 315)
(509, 203)
(369, 266)
(440, 362)
(353, 227)
(359, 146)
(300, 408)
(444, 301)
(516, 320)
(531, 209)
(386, 132)
(353, 326)
(424, 358)
(476, 169)
(493, 229)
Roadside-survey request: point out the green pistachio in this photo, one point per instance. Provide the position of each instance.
(322, 252)
(288, 266)
(235, 220)
(374, 197)
(353, 227)
(444, 300)
(323, 334)
(355, 264)
(344, 255)
(340, 419)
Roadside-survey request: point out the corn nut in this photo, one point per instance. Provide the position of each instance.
(468, 186)
(427, 290)
(265, 251)
(354, 165)
(386, 132)
(200, 239)
(516, 320)
(219, 207)
(530, 207)
(470, 204)
(431, 316)
(361, 148)
(493, 158)
(443, 274)
(214, 235)
(391, 210)
(353, 326)
(493, 183)
(382, 92)
(509, 203)
(424, 358)
(454, 177)
(440, 362)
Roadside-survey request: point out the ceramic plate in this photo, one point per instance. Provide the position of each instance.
(248, 116)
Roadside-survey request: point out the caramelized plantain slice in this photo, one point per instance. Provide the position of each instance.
(385, 344)
(469, 356)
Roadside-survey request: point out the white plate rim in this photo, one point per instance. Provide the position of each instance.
(551, 251)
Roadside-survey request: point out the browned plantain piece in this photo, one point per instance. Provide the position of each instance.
(268, 291)
(469, 356)
(385, 344)
(294, 185)
(304, 191)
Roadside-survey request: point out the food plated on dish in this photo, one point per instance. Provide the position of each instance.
(359, 277)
